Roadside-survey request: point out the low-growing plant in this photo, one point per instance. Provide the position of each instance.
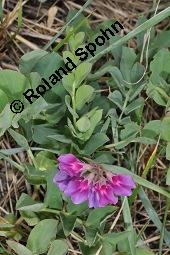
(94, 119)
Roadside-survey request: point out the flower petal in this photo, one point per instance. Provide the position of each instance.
(67, 158)
(61, 179)
(79, 198)
(122, 185)
(70, 164)
(71, 188)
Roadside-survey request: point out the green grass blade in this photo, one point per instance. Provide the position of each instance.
(163, 226)
(66, 25)
(146, 25)
(153, 215)
(129, 224)
(12, 162)
(150, 161)
(138, 179)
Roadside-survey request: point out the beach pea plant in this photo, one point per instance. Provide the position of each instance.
(83, 140)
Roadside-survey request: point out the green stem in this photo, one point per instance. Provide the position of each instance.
(125, 104)
(74, 103)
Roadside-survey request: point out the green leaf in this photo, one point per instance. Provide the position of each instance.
(136, 73)
(34, 175)
(69, 54)
(19, 248)
(31, 218)
(26, 203)
(76, 209)
(83, 95)
(61, 138)
(95, 142)
(68, 222)
(81, 73)
(95, 118)
(58, 247)
(130, 130)
(127, 62)
(30, 112)
(86, 250)
(45, 160)
(68, 103)
(168, 177)
(107, 249)
(6, 117)
(45, 65)
(30, 59)
(4, 100)
(152, 129)
(144, 140)
(83, 124)
(91, 234)
(114, 238)
(41, 133)
(157, 92)
(168, 151)
(99, 214)
(160, 63)
(53, 197)
(68, 81)
(41, 236)
(20, 139)
(165, 129)
(12, 83)
(139, 102)
(116, 98)
(77, 40)
(162, 40)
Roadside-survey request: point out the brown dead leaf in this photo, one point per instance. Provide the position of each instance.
(51, 15)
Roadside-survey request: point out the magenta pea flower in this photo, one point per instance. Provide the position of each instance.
(90, 182)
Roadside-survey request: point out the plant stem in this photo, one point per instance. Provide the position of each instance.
(74, 104)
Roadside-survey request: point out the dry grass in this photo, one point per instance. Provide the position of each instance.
(40, 24)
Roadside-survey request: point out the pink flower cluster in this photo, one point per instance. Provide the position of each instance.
(90, 182)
